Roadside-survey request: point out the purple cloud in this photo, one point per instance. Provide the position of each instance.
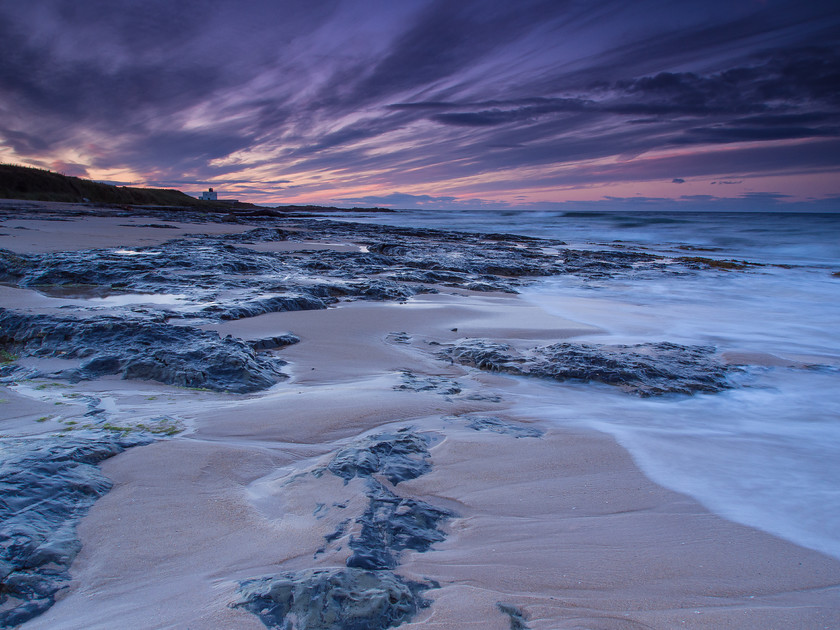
(334, 96)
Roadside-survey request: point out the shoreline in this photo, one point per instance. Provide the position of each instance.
(563, 528)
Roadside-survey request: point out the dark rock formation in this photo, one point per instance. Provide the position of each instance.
(262, 235)
(179, 264)
(423, 383)
(12, 266)
(517, 617)
(384, 290)
(242, 282)
(141, 349)
(332, 599)
(366, 594)
(495, 425)
(401, 337)
(48, 484)
(648, 369)
(391, 524)
(272, 343)
(273, 304)
(396, 456)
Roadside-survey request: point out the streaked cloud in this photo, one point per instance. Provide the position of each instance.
(333, 102)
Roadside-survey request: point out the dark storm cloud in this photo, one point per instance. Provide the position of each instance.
(784, 92)
(443, 39)
(768, 97)
(123, 67)
(460, 88)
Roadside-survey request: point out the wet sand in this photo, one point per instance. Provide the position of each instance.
(563, 527)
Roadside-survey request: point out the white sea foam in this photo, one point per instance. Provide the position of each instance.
(766, 454)
(788, 312)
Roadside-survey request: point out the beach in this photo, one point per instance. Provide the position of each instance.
(374, 437)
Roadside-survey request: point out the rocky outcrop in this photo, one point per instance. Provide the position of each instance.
(140, 349)
(496, 425)
(48, 485)
(366, 593)
(516, 616)
(332, 599)
(275, 342)
(396, 456)
(273, 304)
(425, 383)
(648, 369)
(392, 524)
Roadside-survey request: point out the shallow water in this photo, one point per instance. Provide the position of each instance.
(766, 454)
(125, 299)
(780, 238)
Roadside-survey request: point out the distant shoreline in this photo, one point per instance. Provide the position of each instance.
(24, 183)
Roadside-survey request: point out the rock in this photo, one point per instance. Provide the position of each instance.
(12, 266)
(48, 485)
(438, 384)
(399, 263)
(332, 599)
(141, 349)
(648, 369)
(495, 425)
(366, 594)
(517, 617)
(397, 456)
(261, 235)
(273, 304)
(399, 337)
(486, 287)
(391, 524)
(272, 343)
(383, 290)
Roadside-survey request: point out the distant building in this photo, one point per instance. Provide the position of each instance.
(212, 195)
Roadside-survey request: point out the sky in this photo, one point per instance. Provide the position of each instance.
(591, 104)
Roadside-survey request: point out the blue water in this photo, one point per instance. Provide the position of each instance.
(779, 237)
(766, 454)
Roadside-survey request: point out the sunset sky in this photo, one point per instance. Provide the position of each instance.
(712, 104)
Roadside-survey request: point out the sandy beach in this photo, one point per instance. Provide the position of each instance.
(534, 525)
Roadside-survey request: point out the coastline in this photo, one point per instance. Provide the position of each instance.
(562, 528)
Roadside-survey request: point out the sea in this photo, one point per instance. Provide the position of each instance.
(765, 453)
